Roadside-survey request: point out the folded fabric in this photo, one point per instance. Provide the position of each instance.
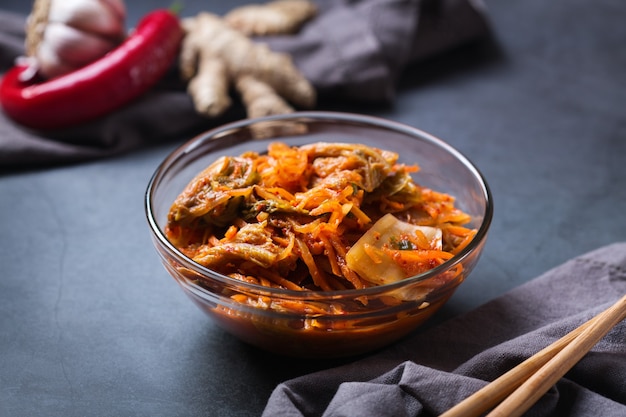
(352, 51)
(430, 372)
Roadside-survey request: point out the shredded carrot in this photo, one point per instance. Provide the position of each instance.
(341, 250)
(374, 253)
(391, 206)
(421, 255)
(468, 238)
(288, 248)
(361, 217)
(277, 279)
(230, 233)
(316, 274)
(331, 255)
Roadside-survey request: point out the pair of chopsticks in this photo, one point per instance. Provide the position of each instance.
(518, 389)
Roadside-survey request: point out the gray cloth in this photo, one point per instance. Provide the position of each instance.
(353, 51)
(435, 369)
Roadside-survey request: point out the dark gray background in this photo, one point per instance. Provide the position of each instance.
(91, 324)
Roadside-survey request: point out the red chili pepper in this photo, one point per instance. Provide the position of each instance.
(100, 87)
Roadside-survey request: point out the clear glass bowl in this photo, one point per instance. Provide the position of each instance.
(342, 325)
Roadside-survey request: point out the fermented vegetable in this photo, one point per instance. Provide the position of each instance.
(322, 216)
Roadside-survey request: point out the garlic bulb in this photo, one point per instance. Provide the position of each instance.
(64, 35)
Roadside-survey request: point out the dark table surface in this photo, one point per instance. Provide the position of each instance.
(92, 325)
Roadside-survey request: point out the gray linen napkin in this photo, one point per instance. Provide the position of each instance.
(430, 372)
(352, 51)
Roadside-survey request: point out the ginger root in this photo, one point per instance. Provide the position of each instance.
(277, 17)
(214, 56)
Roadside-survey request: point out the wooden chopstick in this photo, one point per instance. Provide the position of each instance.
(528, 381)
(491, 394)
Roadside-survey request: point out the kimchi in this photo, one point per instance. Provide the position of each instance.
(322, 216)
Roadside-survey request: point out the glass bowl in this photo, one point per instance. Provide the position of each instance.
(341, 323)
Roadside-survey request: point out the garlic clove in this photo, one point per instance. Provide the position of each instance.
(117, 7)
(48, 63)
(105, 18)
(74, 47)
(64, 35)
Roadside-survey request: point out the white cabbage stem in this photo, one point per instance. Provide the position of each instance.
(65, 35)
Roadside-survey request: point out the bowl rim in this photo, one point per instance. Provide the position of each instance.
(329, 116)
